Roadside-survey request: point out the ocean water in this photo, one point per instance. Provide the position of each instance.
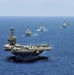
(60, 58)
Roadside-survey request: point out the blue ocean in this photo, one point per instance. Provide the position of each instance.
(60, 58)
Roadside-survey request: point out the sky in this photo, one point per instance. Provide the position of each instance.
(36, 7)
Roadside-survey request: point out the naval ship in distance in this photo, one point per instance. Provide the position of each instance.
(41, 28)
(65, 24)
(28, 31)
(24, 52)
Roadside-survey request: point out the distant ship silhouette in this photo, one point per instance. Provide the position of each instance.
(65, 24)
(41, 28)
(28, 31)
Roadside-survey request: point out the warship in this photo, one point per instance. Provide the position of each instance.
(24, 52)
(65, 24)
(28, 31)
(41, 28)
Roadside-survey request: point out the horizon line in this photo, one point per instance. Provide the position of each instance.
(36, 16)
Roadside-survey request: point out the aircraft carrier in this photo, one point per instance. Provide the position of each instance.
(24, 52)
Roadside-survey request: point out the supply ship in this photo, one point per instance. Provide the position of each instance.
(24, 52)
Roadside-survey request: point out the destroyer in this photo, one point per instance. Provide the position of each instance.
(28, 31)
(24, 52)
(65, 24)
(41, 28)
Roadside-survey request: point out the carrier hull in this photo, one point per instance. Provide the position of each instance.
(25, 56)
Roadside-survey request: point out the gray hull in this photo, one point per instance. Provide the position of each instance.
(24, 56)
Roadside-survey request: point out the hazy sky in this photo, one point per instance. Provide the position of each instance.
(36, 7)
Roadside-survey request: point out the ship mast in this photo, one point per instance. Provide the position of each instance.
(11, 30)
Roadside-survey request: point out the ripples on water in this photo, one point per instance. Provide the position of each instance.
(60, 58)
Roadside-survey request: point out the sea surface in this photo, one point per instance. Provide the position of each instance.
(60, 58)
